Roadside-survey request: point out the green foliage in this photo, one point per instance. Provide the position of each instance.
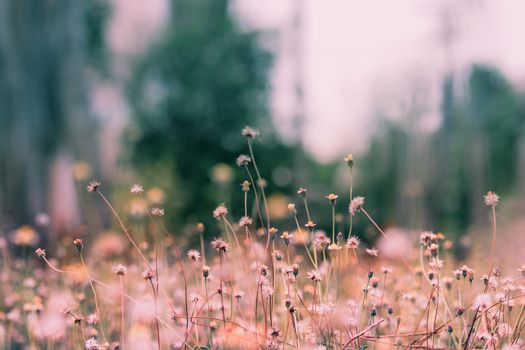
(191, 94)
(437, 180)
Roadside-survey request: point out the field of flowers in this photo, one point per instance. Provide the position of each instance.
(255, 286)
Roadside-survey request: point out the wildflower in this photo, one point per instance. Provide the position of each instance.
(349, 159)
(243, 159)
(334, 247)
(272, 231)
(372, 252)
(245, 221)
(310, 225)
(245, 186)
(193, 255)
(92, 344)
(205, 271)
(262, 269)
(275, 332)
(314, 276)
(119, 269)
(426, 237)
(157, 211)
(491, 199)
(302, 192)
(353, 242)
(137, 189)
(322, 241)
(148, 274)
(78, 243)
(220, 212)
(93, 186)
(295, 269)
(332, 198)
(194, 297)
(238, 294)
(386, 270)
(93, 319)
(249, 132)
(291, 209)
(356, 204)
(278, 255)
(286, 237)
(200, 227)
(220, 245)
(482, 301)
(41, 253)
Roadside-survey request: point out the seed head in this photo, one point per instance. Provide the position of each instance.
(332, 198)
(353, 242)
(356, 204)
(243, 160)
(120, 269)
(245, 221)
(249, 132)
(349, 159)
(41, 253)
(93, 186)
(78, 243)
(220, 212)
(302, 192)
(220, 245)
(157, 211)
(245, 186)
(193, 255)
(136, 188)
(148, 274)
(491, 199)
(205, 271)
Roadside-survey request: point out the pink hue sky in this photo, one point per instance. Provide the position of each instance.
(359, 57)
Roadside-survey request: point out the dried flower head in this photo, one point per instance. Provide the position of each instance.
(349, 159)
(243, 160)
(220, 212)
(78, 244)
(286, 236)
(119, 269)
(332, 198)
(193, 255)
(220, 245)
(491, 199)
(310, 225)
(249, 132)
(92, 344)
(205, 271)
(148, 274)
(93, 186)
(353, 242)
(93, 319)
(245, 221)
(314, 276)
(356, 204)
(157, 211)
(41, 253)
(302, 192)
(245, 186)
(200, 227)
(136, 188)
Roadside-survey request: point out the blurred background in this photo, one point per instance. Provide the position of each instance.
(427, 95)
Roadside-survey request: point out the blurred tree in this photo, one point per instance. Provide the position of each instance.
(474, 150)
(191, 94)
(44, 46)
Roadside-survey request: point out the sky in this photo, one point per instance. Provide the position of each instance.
(356, 60)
